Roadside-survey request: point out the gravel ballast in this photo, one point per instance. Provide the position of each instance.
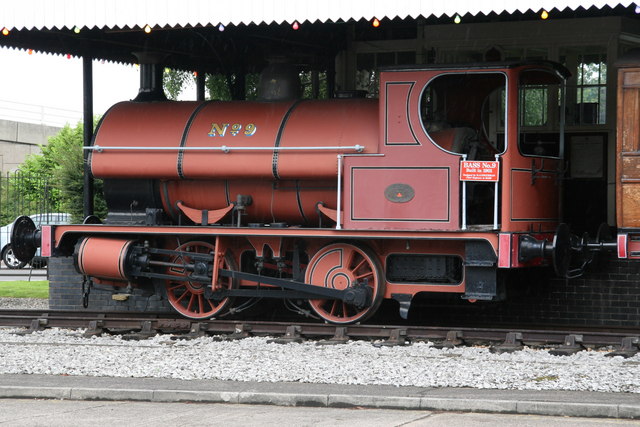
(24, 303)
(66, 352)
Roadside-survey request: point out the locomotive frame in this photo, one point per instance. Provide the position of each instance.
(191, 218)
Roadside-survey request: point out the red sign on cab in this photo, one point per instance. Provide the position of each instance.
(476, 170)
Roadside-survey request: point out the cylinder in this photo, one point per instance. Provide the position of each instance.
(103, 258)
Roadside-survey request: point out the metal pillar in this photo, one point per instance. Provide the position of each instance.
(87, 86)
(315, 84)
(200, 85)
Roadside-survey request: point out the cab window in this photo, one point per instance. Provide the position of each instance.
(462, 114)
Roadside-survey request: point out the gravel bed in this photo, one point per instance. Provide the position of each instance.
(65, 352)
(24, 303)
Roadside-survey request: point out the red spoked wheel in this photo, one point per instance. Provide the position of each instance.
(188, 297)
(339, 266)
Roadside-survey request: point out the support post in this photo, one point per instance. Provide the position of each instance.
(87, 84)
(464, 200)
(200, 85)
(496, 195)
(315, 84)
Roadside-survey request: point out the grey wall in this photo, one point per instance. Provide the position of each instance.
(18, 140)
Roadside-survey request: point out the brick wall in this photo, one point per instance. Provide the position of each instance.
(65, 293)
(608, 295)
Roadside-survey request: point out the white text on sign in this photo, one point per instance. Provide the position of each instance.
(471, 170)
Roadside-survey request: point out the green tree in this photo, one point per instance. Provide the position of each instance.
(25, 194)
(61, 166)
(219, 85)
(175, 81)
(30, 189)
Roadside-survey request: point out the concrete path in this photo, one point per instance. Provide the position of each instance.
(554, 403)
(7, 274)
(63, 413)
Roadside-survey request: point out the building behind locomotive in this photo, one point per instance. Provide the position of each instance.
(340, 202)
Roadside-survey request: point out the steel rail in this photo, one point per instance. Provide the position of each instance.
(168, 323)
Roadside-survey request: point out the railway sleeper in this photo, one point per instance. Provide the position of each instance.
(146, 331)
(36, 325)
(629, 347)
(197, 330)
(397, 337)
(453, 339)
(242, 330)
(512, 343)
(341, 336)
(95, 329)
(572, 345)
(292, 335)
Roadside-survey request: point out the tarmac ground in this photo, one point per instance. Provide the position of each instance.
(54, 413)
(28, 274)
(140, 401)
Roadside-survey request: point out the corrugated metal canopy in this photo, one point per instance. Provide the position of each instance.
(111, 14)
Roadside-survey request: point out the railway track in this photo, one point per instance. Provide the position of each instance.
(141, 325)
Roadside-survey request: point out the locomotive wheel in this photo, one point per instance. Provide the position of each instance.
(338, 266)
(188, 297)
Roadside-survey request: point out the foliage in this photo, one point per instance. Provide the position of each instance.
(368, 80)
(220, 87)
(24, 289)
(306, 78)
(251, 82)
(30, 189)
(175, 81)
(26, 194)
(534, 102)
(61, 162)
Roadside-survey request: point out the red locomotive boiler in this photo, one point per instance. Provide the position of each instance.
(451, 178)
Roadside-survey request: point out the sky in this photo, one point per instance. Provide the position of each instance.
(32, 81)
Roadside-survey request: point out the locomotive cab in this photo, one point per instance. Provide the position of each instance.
(506, 120)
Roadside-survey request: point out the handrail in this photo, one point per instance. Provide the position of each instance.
(226, 149)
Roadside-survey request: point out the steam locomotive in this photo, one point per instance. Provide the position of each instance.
(447, 181)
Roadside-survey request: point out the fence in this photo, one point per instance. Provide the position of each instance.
(26, 194)
(20, 112)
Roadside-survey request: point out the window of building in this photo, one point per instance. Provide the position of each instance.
(587, 90)
(540, 107)
(591, 94)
